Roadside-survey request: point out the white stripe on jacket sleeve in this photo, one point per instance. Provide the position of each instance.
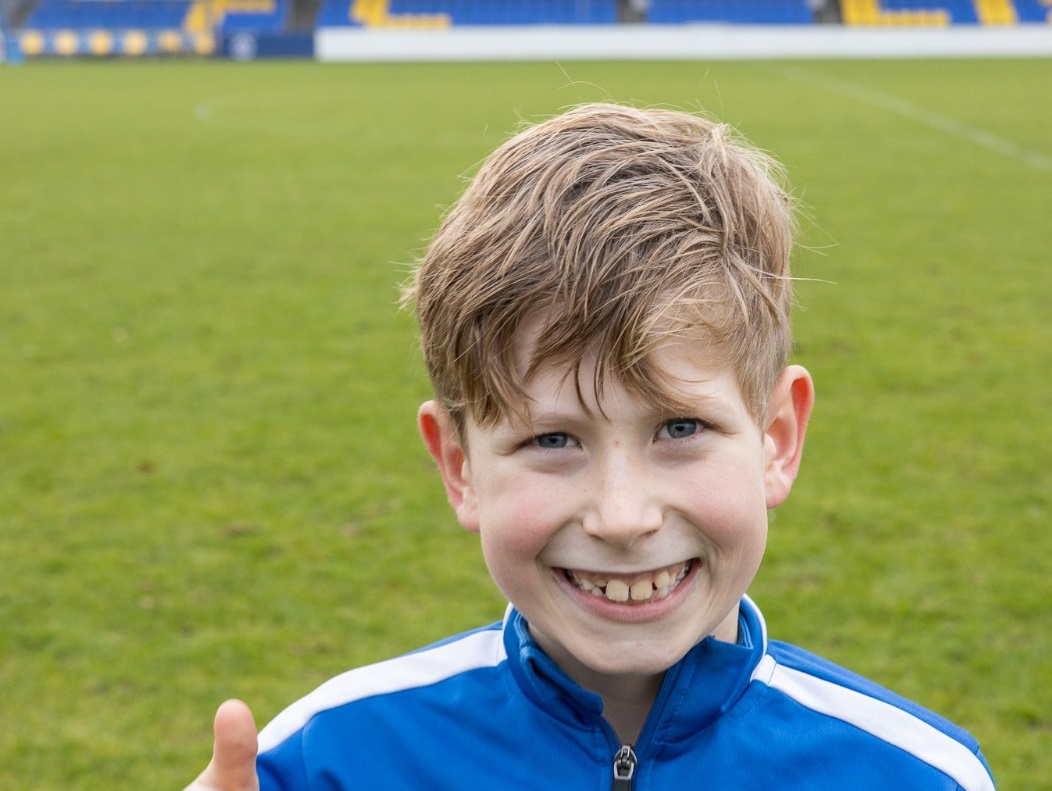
(429, 666)
(880, 718)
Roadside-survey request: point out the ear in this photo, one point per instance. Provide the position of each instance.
(787, 413)
(448, 451)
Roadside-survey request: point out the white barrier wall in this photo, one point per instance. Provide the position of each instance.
(681, 42)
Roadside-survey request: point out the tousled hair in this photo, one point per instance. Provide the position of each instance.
(618, 227)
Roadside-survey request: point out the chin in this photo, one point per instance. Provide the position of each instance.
(629, 660)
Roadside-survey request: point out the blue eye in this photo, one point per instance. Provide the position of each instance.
(681, 428)
(553, 441)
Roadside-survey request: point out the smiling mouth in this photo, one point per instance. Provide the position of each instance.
(630, 589)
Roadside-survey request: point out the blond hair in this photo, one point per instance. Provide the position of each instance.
(620, 227)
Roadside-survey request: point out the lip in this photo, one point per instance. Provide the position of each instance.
(651, 610)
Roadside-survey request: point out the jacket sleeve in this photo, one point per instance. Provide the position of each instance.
(283, 768)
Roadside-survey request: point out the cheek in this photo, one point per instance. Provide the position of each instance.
(516, 522)
(733, 508)
(735, 517)
(512, 540)
(740, 543)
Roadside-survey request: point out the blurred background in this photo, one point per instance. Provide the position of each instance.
(210, 479)
(251, 28)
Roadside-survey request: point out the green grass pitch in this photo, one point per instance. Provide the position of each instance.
(210, 482)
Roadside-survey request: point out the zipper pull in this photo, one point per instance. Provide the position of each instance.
(624, 769)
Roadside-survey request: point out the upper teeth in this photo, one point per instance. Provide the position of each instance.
(658, 585)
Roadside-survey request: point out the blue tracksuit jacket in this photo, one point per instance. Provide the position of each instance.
(489, 710)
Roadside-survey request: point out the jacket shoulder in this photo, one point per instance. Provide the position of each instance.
(441, 661)
(829, 690)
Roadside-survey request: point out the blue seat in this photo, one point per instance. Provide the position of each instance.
(260, 22)
(537, 12)
(107, 14)
(749, 12)
(335, 13)
(1033, 11)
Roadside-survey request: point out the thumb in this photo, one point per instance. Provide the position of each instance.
(233, 765)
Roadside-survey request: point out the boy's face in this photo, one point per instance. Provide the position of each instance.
(625, 534)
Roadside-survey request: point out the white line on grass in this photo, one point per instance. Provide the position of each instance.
(943, 123)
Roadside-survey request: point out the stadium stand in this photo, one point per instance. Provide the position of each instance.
(540, 12)
(106, 14)
(1034, 11)
(146, 27)
(945, 12)
(192, 16)
(446, 13)
(745, 12)
(227, 16)
(336, 13)
(439, 13)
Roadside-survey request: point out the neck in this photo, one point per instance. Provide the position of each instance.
(627, 697)
(627, 704)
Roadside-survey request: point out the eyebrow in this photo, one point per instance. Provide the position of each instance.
(715, 407)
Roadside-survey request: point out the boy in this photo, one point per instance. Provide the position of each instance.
(605, 321)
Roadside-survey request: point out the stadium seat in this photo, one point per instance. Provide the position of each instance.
(487, 12)
(336, 13)
(107, 14)
(747, 12)
(261, 16)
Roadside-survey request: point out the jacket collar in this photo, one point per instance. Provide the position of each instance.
(696, 691)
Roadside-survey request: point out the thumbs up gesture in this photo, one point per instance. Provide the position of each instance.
(233, 765)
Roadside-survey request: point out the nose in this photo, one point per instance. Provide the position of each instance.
(623, 506)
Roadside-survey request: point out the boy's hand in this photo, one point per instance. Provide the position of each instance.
(233, 766)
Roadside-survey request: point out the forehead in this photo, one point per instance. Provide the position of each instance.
(668, 335)
(685, 371)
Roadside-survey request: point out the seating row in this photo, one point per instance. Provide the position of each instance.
(190, 15)
(79, 14)
(197, 16)
(557, 12)
(945, 12)
(761, 12)
(480, 12)
(987, 12)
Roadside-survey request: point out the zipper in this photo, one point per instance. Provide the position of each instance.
(624, 769)
(625, 760)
